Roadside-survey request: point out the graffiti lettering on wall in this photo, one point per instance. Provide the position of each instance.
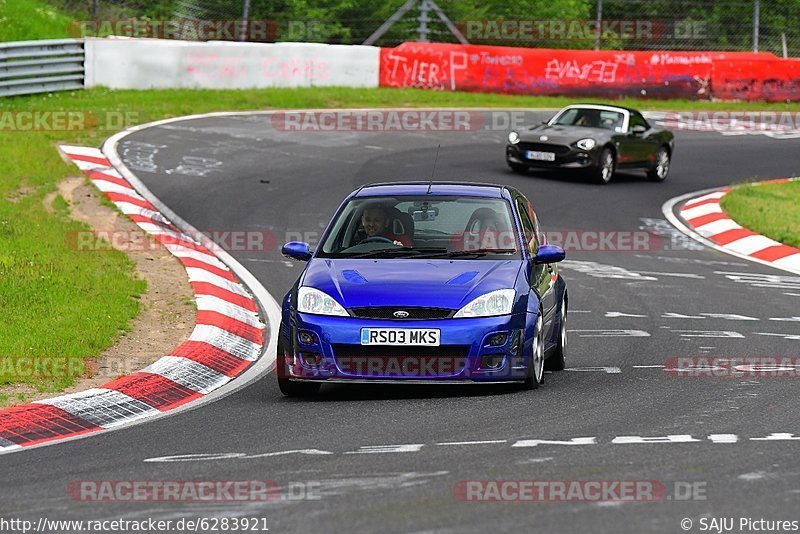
(667, 58)
(595, 71)
(441, 66)
(431, 74)
(669, 74)
(292, 69)
(520, 80)
(484, 58)
(215, 66)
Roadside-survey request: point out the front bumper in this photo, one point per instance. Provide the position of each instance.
(567, 157)
(464, 354)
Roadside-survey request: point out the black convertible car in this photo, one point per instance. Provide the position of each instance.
(595, 139)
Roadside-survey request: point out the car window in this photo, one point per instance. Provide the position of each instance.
(422, 223)
(568, 117)
(611, 120)
(528, 227)
(637, 120)
(452, 217)
(540, 235)
(591, 118)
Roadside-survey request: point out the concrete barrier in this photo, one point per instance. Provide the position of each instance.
(168, 64)
(604, 73)
(122, 63)
(773, 79)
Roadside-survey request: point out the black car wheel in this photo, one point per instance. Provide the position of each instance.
(605, 166)
(558, 360)
(536, 361)
(660, 168)
(287, 387)
(518, 168)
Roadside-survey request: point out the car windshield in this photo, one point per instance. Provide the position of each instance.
(591, 118)
(425, 226)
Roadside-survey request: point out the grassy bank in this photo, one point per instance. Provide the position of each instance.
(26, 20)
(58, 302)
(156, 104)
(772, 210)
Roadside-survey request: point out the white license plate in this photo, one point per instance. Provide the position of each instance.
(541, 156)
(400, 336)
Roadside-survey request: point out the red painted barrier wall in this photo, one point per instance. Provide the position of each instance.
(773, 80)
(653, 74)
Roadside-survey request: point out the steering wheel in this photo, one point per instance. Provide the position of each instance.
(376, 239)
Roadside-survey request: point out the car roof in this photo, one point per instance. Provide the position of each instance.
(600, 106)
(474, 189)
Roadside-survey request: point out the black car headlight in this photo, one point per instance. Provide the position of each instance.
(586, 144)
(513, 138)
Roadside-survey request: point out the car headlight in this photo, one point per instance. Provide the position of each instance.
(586, 144)
(310, 300)
(513, 138)
(494, 303)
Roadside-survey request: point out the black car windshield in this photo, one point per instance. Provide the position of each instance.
(425, 226)
(591, 118)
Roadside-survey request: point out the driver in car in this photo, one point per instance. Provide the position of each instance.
(376, 221)
(589, 117)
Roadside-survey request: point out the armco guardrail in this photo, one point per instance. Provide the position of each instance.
(28, 67)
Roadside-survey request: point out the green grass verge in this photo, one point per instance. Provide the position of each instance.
(26, 20)
(151, 105)
(58, 302)
(772, 210)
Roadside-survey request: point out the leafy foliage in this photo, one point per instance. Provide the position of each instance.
(677, 24)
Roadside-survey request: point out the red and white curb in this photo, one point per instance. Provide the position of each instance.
(228, 338)
(701, 217)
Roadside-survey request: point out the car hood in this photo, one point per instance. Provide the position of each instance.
(562, 134)
(407, 282)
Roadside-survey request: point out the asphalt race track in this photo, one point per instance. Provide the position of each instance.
(388, 458)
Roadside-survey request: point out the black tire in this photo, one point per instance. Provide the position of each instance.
(558, 360)
(287, 387)
(607, 164)
(531, 381)
(660, 168)
(518, 168)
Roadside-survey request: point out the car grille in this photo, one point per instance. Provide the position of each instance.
(387, 312)
(543, 147)
(400, 361)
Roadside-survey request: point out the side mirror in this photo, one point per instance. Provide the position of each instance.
(296, 250)
(638, 129)
(549, 254)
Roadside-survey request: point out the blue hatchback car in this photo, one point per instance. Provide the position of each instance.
(423, 282)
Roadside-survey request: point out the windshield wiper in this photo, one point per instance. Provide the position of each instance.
(477, 252)
(392, 251)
